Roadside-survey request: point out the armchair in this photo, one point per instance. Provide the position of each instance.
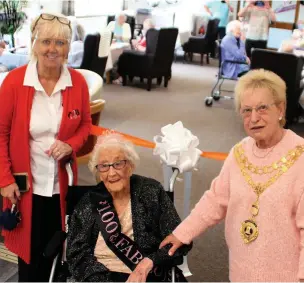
(156, 62)
(203, 44)
(289, 68)
(91, 59)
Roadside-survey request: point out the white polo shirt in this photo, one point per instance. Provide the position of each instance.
(46, 114)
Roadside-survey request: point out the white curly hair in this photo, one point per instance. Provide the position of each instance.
(112, 139)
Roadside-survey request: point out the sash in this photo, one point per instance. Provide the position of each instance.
(120, 244)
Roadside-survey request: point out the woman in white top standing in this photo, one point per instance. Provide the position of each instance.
(121, 30)
(44, 120)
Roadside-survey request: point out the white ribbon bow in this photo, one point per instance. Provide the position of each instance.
(177, 147)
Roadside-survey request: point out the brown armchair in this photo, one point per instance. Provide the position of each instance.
(84, 154)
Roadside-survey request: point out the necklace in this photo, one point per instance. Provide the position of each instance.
(249, 228)
(270, 150)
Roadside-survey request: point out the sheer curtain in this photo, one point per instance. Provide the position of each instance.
(68, 7)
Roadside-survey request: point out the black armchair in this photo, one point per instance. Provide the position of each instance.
(289, 68)
(156, 62)
(203, 44)
(91, 60)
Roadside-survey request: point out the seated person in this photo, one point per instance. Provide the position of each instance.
(233, 48)
(9, 63)
(296, 41)
(120, 29)
(141, 44)
(115, 231)
(77, 46)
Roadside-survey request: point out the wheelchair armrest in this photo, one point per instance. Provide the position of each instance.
(55, 245)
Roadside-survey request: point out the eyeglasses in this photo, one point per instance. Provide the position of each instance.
(46, 42)
(49, 17)
(118, 165)
(261, 109)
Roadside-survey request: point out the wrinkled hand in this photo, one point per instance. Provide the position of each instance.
(141, 271)
(11, 192)
(171, 239)
(59, 149)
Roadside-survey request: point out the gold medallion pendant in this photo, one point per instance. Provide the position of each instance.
(249, 231)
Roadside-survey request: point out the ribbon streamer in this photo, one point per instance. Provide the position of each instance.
(97, 131)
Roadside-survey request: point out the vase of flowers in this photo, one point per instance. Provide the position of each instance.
(12, 17)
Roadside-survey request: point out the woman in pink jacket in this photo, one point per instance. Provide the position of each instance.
(259, 191)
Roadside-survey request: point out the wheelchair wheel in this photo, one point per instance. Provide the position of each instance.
(208, 101)
(216, 95)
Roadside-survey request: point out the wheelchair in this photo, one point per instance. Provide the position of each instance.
(56, 249)
(216, 93)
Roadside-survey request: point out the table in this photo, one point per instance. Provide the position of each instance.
(116, 50)
(12, 61)
(90, 81)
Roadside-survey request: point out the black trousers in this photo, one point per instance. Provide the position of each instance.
(46, 220)
(262, 44)
(221, 32)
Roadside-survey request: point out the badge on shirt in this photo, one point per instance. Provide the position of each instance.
(74, 114)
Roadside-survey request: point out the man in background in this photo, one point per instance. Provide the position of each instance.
(219, 9)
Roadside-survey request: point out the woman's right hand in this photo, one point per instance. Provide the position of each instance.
(171, 239)
(11, 192)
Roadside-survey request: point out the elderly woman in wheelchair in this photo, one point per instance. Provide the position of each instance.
(116, 229)
(233, 53)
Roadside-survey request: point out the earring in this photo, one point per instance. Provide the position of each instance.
(280, 118)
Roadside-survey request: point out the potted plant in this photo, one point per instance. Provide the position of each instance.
(11, 17)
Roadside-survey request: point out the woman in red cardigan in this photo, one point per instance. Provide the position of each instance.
(44, 120)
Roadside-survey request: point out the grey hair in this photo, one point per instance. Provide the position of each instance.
(232, 26)
(79, 33)
(119, 15)
(149, 22)
(113, 140)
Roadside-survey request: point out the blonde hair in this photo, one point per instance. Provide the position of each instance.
(113, 139)
(49, 28)
(261, 79)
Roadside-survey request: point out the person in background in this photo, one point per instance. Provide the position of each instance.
(259, 191)
(258, 15)
(120, 29)
(141, 44)
(219, 9)
(77, 46)
(233, 48)
(295, 41)
(37, 137)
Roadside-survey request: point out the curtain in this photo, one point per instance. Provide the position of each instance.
(68, 8)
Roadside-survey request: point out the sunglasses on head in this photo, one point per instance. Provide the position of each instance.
(49, 17)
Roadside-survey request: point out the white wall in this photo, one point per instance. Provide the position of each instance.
(54, 6)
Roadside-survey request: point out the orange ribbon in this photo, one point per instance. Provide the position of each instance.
(97, 131)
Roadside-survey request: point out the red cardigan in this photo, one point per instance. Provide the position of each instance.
(16, 103)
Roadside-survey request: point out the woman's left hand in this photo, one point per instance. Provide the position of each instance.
(141, 271)
(59, 150)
